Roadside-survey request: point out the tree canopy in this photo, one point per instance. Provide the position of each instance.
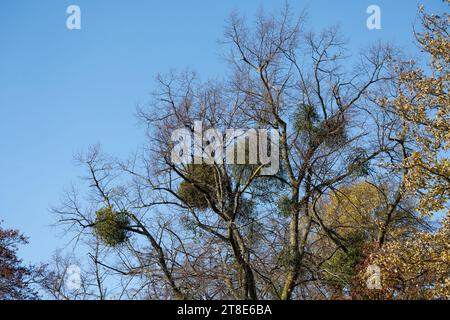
(363, 147)
(15, 278)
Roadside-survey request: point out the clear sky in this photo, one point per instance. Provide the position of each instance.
(62, 90)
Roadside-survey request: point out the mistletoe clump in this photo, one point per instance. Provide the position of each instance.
(111, 227)
(197, 191)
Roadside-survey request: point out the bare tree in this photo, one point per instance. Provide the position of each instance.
(225, 230)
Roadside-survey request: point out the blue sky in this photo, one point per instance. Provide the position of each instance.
(63, 90)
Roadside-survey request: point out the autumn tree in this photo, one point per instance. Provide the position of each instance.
(418, 267)
(15, 278)
(423, 102)
(356, 215)
(413, 268)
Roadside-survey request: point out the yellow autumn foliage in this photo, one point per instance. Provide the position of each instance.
(419, 267)
(354, 208)
(423, 102)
